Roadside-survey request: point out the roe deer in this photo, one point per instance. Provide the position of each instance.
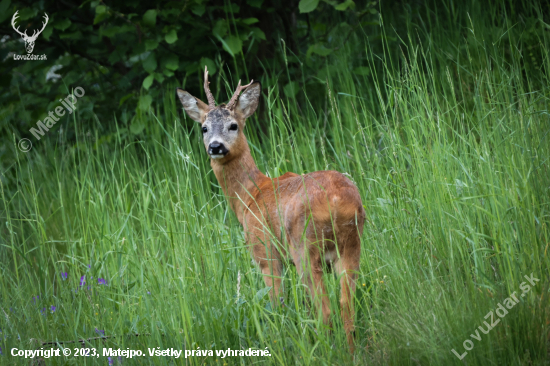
(310, 218)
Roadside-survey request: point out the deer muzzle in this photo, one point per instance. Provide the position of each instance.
(217, 150)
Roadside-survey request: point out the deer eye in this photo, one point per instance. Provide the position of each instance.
(233, 127)
(204, 130)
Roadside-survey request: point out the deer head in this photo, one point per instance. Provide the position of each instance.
(29, 40)
(222, 125)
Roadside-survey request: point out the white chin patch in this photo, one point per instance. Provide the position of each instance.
(218, 156)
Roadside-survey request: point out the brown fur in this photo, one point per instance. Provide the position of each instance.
(274, 213)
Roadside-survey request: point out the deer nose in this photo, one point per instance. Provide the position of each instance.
(217, 148)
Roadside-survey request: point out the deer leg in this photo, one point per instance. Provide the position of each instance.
(311, 271)
(347, 267)
(271, 266)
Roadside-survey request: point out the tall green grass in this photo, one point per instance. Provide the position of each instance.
(448, 142)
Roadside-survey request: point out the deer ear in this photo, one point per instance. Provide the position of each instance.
(194, 107)
(248, 101)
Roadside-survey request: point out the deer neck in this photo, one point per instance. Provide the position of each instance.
(239, 179)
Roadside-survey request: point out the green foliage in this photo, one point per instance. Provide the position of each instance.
(114, 50)
(438, 113)
(307, 6)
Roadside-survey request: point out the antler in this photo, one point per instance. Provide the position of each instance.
(24, 34)
(211, 101)
(17, 29)
(235, 96)
(43, 24)
(34, 34)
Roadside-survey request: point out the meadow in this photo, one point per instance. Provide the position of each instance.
(446, 135)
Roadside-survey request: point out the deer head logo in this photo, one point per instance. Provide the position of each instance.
(29, 40)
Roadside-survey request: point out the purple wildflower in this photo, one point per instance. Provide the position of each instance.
(1, 354)
(110, 360)
(64, 275)
(52, 308)
(34, 298)
(82, 281)
(43, 311)
(148, 293)
(100, 332)
(101, 281)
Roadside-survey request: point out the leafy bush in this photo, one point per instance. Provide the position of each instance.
(126, 54)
